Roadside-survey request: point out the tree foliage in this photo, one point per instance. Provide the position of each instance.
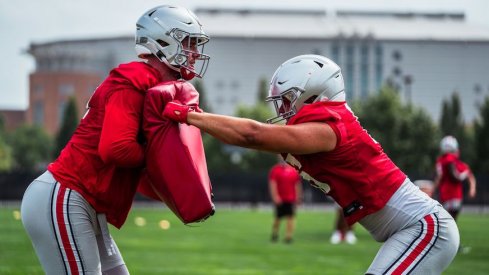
(203, 102)
(6, 159)
(253, 160)
(31, 147)
(223, 157)
(481, 139)
(452, 123)
(262, 90)
(68, 125)
(407, 134)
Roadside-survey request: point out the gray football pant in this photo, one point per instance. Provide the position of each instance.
(426, 247)
(66, 232)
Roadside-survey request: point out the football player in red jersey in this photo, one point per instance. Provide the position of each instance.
(325, 142)
(451, 172)
(94, 179)
(286, 192)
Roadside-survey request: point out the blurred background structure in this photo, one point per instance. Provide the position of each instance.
(411, 76)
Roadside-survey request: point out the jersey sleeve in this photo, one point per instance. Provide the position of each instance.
(118, 140)
(272, 174)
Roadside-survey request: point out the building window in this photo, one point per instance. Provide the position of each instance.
(396, 55)
(234, 99)
(220, 100)
(364, 71)
(379, 70)
(38, 113)
(66, 89)
(219, 85)
(350, 72)
(396, 71)
(38, 89)
(61, 111)
(235, 84)
(335, 53)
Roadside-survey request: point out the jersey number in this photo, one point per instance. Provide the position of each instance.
(292, 161)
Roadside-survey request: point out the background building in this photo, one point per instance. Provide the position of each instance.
(426, 55)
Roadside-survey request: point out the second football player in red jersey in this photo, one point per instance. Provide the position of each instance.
(93, 181)
(286, 191)
(451, 172)
(325, 142)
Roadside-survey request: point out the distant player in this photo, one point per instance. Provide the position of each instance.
(66, 210)
(286, 192)
(325, 142)
(343, 232)
(451, 172)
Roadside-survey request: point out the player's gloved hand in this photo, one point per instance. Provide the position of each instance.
(178, 112)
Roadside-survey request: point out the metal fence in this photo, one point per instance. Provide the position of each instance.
(227, 187)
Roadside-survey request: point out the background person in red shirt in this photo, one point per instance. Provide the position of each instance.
(325, 142)
(451, 172)
(94, 179)
(286, 192)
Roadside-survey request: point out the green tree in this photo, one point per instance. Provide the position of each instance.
(203, 102)
(31, 147)
(481, 139)
(262, 90)
(253, 160)
(6, 160)
(217, 157)
(407, 134)
(2, 124)
(68, 125)
(5, 149)
(452, 123)
(223, 157)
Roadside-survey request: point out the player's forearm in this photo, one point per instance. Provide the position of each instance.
(231, 130)
(472, 182)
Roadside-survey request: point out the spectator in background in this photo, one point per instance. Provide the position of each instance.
(342, 231)
(286, 192)
(451, 172)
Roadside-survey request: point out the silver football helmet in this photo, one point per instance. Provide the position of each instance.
(175, 36)
(448, 144)
(304, 79)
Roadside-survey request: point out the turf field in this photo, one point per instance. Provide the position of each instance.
(236, 241)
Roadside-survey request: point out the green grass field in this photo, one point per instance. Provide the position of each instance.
(237, 242)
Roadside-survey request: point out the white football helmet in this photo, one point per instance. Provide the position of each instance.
(304, 79)
(448, 144)
(175, 36)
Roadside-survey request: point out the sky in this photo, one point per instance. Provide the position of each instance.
(23, 22)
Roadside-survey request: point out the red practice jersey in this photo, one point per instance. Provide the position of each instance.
(451, 172)
(357, 174)
(103, 159)
(286, 179)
